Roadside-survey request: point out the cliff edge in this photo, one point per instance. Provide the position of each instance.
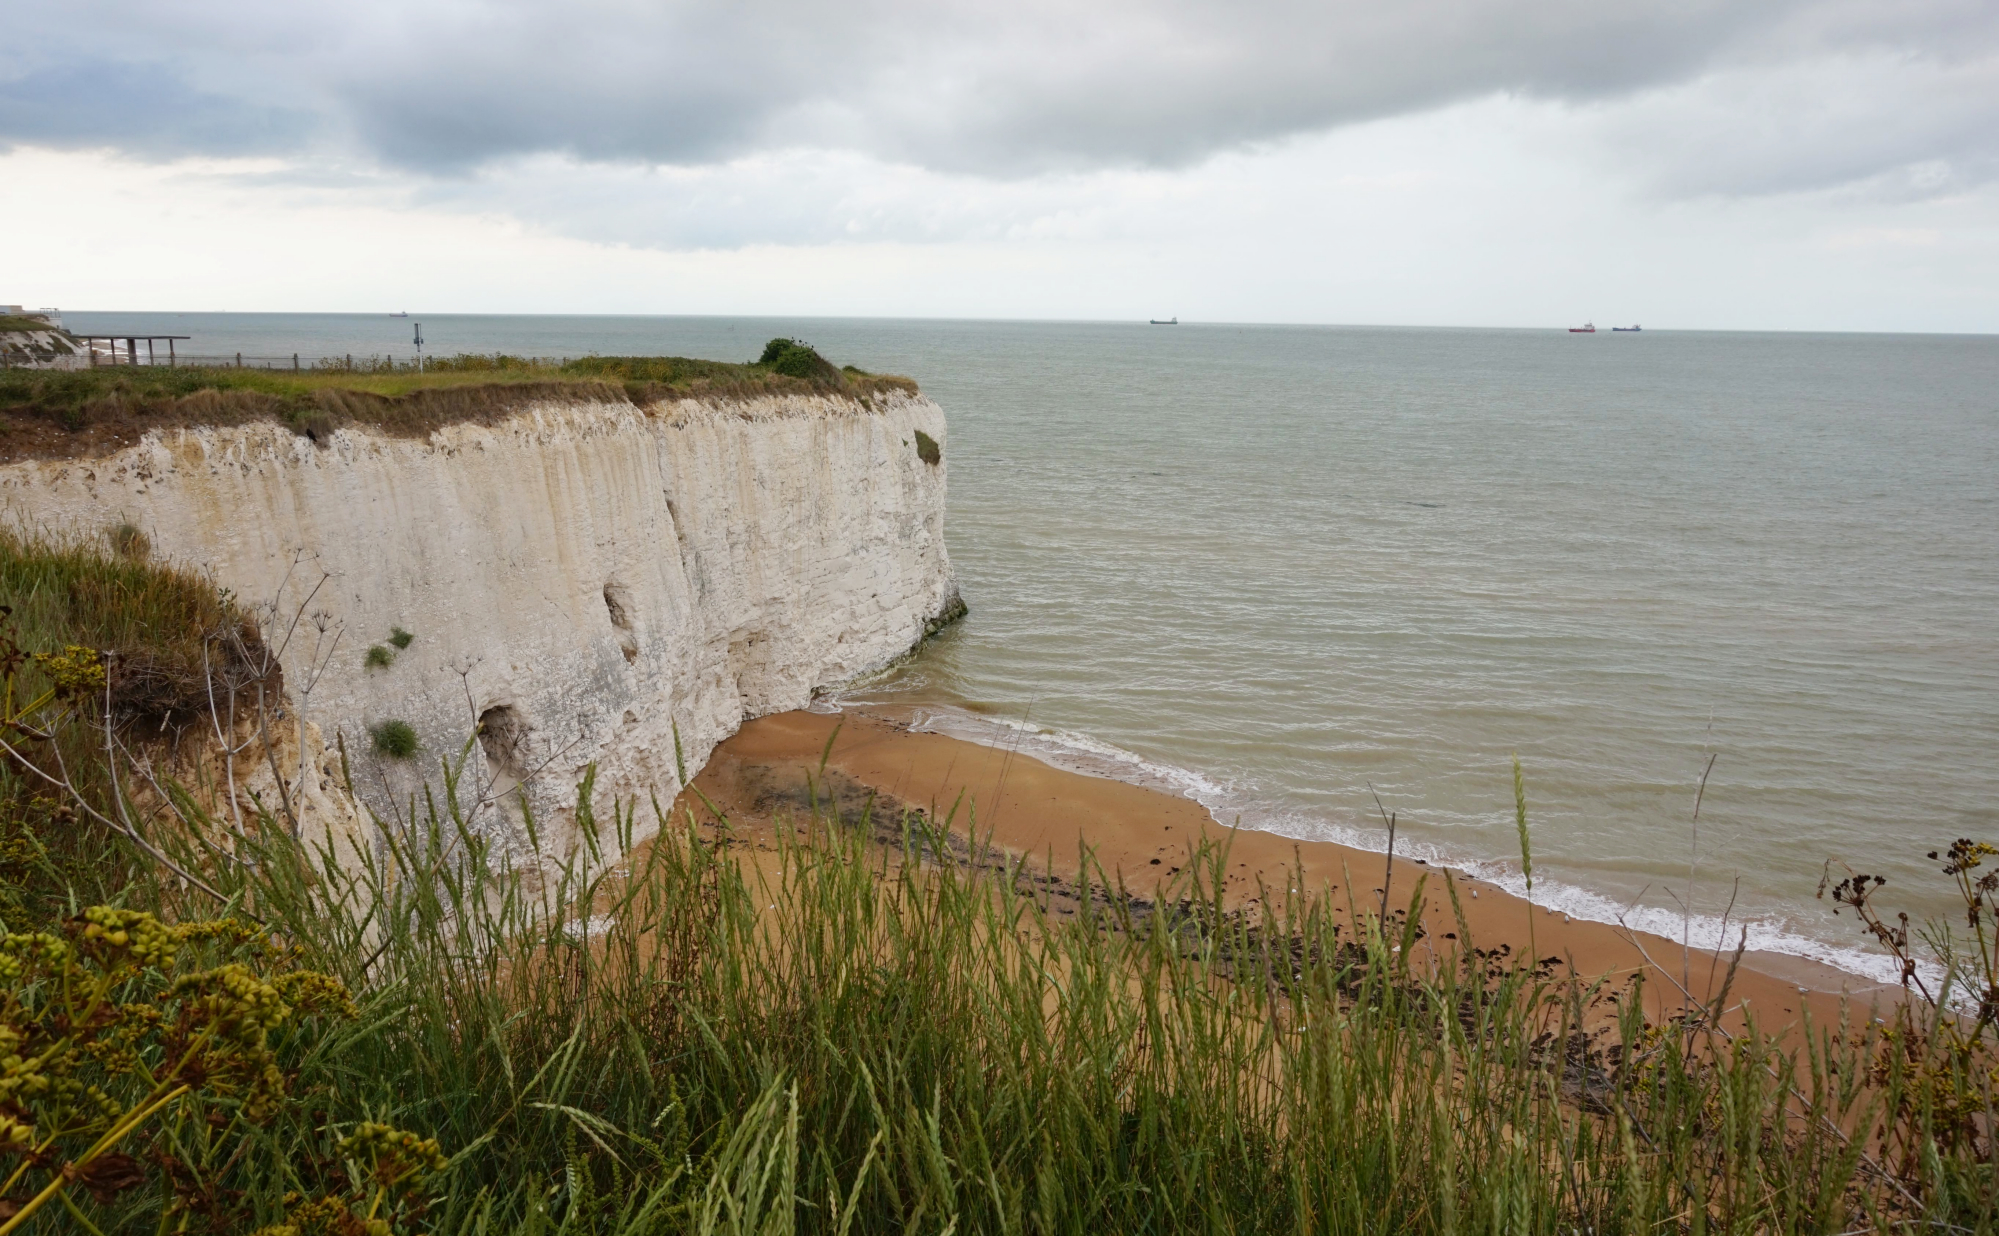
(577, 580)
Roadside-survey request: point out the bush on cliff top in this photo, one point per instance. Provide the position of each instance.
(796, 359)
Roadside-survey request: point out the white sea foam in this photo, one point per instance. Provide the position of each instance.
(1079, 753)
(1091, 756)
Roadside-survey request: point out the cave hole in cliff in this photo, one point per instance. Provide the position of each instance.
(618, 600)
(503, 735)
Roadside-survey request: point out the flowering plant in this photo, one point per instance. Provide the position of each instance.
(103, 1032)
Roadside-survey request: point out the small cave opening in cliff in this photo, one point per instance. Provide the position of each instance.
(503, 735)
(619, 602)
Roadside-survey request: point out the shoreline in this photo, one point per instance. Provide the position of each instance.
(1816, 960)
(1141, 836)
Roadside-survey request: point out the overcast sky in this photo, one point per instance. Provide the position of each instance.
(1696, 163)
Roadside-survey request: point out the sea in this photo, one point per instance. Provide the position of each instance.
(1731, 599)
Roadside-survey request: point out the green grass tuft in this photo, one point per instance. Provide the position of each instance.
(395, 739)
(399, 637)
(173, 649)
(380, 656)
(157, 622)
(1526, 849)
(927, 449)
(130, 543)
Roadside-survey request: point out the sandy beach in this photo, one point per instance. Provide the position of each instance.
(1141, 837)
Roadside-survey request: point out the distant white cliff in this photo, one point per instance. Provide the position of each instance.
(579, 579)
(35, 339)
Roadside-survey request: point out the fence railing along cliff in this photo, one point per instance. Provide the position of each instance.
(106, 353)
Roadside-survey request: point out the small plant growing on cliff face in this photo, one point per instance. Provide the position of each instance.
(399, 637)
(381, 656)
(927, 449)
(395, 739)
(129, 543)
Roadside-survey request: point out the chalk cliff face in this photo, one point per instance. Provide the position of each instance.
(579, 579)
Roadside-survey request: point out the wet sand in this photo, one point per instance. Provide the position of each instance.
(1142, 837)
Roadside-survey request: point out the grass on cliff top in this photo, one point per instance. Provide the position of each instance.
(16, 322)
(47, 413)
(168, 634)
(108, 594)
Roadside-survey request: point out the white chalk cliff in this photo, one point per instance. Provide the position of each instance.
(581, 577)
(53, 348)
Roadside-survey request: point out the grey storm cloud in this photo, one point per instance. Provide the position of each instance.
(143, 105)
(993, 89)
(984, 87)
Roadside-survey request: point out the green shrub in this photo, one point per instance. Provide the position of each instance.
(795, 359)
(399, 637)
(395, 739)
(927, 449)
(381, 656)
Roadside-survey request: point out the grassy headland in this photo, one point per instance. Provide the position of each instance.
(156, 622)
(871, 1026)
(81, 412)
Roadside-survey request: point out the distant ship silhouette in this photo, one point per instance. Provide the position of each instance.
(1172, 321)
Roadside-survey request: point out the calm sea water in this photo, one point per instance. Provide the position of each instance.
(1276, 566)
